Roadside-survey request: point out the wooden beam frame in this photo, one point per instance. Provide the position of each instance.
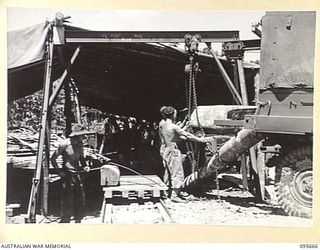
(86, 36)
(31, 214)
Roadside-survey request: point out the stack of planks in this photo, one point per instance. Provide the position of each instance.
(22, 145)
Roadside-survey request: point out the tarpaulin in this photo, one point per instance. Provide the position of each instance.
(27, 45)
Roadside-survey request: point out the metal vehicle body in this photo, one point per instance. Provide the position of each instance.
(279, 133)
(286, 119)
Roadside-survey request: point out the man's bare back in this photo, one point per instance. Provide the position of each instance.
(171, 133)
(168, 132)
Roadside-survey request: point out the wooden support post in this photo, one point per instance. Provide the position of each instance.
(225, 76)
(60, 81)
(102, 144)
(243, 86)
(76, 102)
(243, 89)
(253, 158)
(256, 87)
(45, 183)
(244, 173)
(68, 109)
(31, 214)
(236, 77)
(261, 173)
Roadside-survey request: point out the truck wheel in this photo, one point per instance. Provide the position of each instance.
(294, 180)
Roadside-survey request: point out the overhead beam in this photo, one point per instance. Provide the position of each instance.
(84, 36)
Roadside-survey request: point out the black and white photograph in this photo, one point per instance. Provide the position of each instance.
(160, 117)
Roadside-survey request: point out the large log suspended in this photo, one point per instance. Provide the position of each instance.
(228, 153)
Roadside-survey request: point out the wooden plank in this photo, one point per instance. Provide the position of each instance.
(9, 212)
(141, 193)
(156, 193)
(107, 193)
(108, 214)
(138, 183)
(163, 211)
(103, 210)
(125, 193)
(134, 188)
(86, 36)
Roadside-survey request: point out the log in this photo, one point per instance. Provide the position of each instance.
(229, 152)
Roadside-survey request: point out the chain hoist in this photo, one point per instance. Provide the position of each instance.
(217, 180)
(191, 45)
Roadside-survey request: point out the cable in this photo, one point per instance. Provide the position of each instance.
(121, 166)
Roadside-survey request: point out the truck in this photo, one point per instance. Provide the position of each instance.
(278, 130)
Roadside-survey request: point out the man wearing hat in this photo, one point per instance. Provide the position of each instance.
(72, 193)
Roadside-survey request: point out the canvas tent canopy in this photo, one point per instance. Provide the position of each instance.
(133, 79)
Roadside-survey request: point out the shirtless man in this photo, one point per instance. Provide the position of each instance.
(170, 133)
(73, 195)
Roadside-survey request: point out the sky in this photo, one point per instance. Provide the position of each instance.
(139, 20)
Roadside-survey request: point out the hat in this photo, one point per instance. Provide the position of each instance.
(79, 129)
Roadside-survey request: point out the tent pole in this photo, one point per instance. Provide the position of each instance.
(31, 214)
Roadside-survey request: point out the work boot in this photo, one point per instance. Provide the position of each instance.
(166, 197)
(188, 197)
(175, 196)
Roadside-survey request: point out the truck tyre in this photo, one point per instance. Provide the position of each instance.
(294, 180)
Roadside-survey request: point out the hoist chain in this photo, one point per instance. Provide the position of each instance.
(190, 89)
(192, 43)
(193, 106)
(217, 183)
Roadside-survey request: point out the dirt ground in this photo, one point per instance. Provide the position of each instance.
(234, 207)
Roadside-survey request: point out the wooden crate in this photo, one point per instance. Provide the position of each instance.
(136, 186)
(131, 189)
